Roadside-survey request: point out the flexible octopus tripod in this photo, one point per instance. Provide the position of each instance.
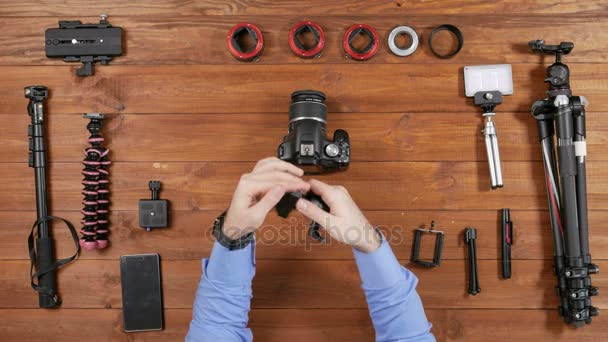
(563, 115)
(96, 188)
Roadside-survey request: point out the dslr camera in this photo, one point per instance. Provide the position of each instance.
(306, 144)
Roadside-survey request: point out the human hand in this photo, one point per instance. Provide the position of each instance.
(258, 192)
(345, 221)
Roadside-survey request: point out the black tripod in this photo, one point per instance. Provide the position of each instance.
(40, 245)
(563, 115)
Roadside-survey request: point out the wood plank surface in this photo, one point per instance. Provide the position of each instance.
(189, 235)
(251, 137)
(315, 7)
(182, 110)
(300, 325)
(302, 284)
(208, 185)
(201, 40)
(266, 89)
(374, 186)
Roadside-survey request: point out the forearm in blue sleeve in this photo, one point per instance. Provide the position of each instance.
(390, 289)
(223, 298)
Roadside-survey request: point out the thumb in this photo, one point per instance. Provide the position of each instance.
(270, 199)
(313, 212)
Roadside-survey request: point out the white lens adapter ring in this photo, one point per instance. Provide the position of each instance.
(403, 30)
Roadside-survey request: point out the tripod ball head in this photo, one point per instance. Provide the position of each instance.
(539, 46)
(36, 93)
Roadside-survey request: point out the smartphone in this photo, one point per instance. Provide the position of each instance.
(142, 305)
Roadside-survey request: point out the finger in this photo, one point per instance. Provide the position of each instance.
(277, 176)
(326, 191)
(279, 165)
(253, 186)
(262, 187)
(314, 213)
(270, 199)
(264, 161)
(263, 182)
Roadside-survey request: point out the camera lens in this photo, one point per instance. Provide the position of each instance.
(308, 105)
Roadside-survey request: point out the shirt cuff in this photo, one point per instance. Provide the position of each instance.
(230, 267)
(380, 268)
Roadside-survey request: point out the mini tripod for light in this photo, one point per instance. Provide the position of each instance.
(95, 190)
(563, 115)
(487, 84)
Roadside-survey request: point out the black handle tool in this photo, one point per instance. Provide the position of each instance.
(507, 241)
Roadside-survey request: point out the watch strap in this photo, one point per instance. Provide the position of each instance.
(225, 241)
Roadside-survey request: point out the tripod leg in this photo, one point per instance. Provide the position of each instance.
(567, 174)
(580, 149)
(488, 132)
(497, 166)
(554, 215)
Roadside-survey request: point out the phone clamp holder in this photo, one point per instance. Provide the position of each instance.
(153, 213)
(438, 246)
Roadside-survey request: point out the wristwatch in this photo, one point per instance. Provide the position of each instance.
(225, 241)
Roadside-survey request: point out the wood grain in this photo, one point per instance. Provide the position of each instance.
(300, 325)
(266, 89)
(202, 40)
(183, 111)
(374, 186)
(189, 236)
(301, 284)
(316, 7)
(251, 137)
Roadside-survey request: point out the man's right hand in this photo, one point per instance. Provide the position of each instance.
(345, 222)
(260, 191)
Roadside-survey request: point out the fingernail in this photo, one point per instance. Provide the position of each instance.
(301, 204)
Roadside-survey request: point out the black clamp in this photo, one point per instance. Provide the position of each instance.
(455, 31)
(438, 246)
(153, 213)
(86, 43)
(288, 203)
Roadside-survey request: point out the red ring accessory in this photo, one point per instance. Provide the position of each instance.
(297, 47)
(234, 47)
(369, 51)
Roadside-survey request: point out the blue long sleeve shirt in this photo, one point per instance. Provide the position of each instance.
(223, 297)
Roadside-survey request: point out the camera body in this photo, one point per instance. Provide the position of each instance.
(306, 144)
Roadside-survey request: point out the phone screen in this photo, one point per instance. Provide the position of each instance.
(141, 292)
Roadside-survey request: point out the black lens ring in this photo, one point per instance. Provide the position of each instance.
(455, 31)
(370, 45)
(314, 32)
(315, 94)
(236, 44)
